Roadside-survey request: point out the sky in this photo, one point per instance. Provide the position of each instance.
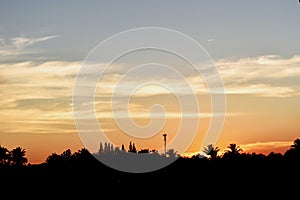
(254, 46)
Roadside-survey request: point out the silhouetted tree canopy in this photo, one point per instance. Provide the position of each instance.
(81, 169)
(211, 151)
(143, 151)
(233, 152)
(171, 153)
(17, 157)
(294, 151)
(4, 156)
(132, 148)
(54, 159)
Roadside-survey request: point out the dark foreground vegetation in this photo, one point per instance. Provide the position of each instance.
(81, 173)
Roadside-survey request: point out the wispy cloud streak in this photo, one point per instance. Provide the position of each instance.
(22, 42)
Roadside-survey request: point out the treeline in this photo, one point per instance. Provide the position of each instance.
(17, 156)
(233, 152)
(77, 172)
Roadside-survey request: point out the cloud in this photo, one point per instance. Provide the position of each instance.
(11, 52)
(260, 76)
(22, 42)
(248, 88)
(146, 114)
(29, 85)
(43, 89)
(268, 76)
(263, 90)
(35, 97)
(267, 147)
(263, 76)
(2, 42)
(258, 68)
(14, 50)
(45, 104)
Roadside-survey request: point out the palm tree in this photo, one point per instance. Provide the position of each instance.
(234, 149)
(233, 152)
(4, 155)
(172, 153)
(17, 156)
(211, 151)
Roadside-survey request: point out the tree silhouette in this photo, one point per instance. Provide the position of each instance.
(117, 151)
(233, 152)
(211, 151)
(296, 145)
(234, 149)
(68, 168)
(132, 148)
(294, 151)
(112, 148)
(66, 155)
(171, 153)
(274, 156)
(108, 149)
(101, 149)
(143, 151)
(17, 157)
(154, 153)
(83, 155)
(54, 159)
(105, 150)
(4, 155)
(123, 148)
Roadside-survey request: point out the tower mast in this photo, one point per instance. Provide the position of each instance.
(165, 142)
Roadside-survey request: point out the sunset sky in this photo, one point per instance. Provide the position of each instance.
(255, 46)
